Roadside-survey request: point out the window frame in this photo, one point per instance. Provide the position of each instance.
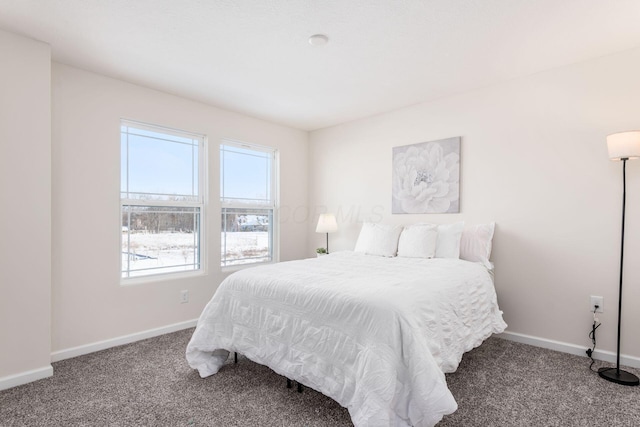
(200, 202)
(273, 205)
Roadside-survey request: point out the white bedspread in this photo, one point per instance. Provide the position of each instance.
(373, 333)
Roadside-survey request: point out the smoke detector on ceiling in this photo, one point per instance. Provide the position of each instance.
(318, 40)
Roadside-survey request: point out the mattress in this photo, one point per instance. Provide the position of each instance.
(375, 334)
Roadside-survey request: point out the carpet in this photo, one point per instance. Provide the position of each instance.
(149, 383)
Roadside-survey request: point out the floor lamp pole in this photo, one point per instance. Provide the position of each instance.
(617, 375)
(327, 242)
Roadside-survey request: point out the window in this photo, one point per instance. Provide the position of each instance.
(161, 197)
(249, 206)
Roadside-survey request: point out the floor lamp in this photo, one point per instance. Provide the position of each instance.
(327, 224)
(622, 146)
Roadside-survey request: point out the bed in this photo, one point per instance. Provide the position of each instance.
(376, 334)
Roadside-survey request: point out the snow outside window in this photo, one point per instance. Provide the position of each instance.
(249, 206)
(161, 197)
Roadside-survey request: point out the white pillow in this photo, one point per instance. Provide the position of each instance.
(418, 241)
(378, 239)
(448, 245)
(475, 244)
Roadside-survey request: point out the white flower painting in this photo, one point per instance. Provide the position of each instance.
(426, 177)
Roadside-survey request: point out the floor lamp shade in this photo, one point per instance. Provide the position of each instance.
(327, 224)
(622, 146)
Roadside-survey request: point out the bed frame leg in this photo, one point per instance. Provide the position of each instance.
(290, 384)
(235, 357)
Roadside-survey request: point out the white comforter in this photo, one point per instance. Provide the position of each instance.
(373, 333)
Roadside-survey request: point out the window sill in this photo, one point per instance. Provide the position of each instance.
(162, 277)
(233, 268)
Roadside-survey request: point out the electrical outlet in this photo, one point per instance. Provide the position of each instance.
(599, 301)
(184, 297)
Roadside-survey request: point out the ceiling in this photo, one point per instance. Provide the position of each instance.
(253, 56)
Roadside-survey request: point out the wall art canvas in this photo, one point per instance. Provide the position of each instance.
(426, 177)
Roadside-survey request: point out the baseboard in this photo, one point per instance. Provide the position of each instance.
(606, 356)
(25, 377)
(68, 353)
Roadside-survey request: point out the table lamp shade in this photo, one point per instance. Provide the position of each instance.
(327, 224)
(624, 145)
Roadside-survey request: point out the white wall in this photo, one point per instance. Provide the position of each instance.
(533, 159)
(25, 224)
(89, 304)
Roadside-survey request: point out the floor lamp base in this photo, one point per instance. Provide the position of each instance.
(618, 376)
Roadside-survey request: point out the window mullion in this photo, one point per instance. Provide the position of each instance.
(161, 203)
